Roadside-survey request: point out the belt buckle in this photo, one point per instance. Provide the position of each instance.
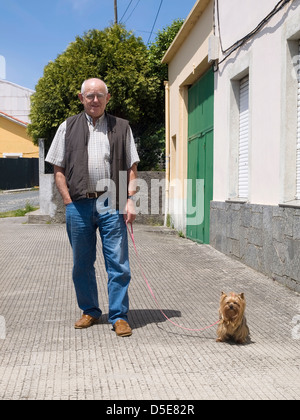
(95, 194)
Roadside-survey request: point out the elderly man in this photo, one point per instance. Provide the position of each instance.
(89, 148)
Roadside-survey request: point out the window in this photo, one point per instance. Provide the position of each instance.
(244, 139)
(290, 102)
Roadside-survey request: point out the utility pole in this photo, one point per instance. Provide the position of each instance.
(116, 12)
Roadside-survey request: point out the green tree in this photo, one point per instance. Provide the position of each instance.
(152, 141)
(114, 55)
(133, 73)
(160, 46)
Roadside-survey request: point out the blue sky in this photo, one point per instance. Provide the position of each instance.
(33, 32)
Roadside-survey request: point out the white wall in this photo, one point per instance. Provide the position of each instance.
(264, 58)
(15, 100)
(238, 18)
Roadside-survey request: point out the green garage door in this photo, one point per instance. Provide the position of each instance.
(200, 158)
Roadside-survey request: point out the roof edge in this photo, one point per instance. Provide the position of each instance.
(13, 119)
(16, 85)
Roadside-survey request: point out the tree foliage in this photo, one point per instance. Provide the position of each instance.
(160, 46)
(152, 141)
(132, 72)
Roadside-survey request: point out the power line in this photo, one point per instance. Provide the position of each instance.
(161, 2)
(229, 51)
(132, 11)
(126, 10)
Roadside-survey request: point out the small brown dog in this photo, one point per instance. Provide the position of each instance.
(233, 323)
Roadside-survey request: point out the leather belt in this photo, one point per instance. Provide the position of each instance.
(94, 194)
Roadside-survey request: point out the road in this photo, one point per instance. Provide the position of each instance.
(43, 357)
(18, 200)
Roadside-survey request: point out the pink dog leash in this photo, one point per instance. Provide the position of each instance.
(130, 231)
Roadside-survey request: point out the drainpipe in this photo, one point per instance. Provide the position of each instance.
(167, 111)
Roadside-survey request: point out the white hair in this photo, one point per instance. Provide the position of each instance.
(83, 85)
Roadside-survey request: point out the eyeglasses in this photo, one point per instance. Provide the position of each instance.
(91, 96)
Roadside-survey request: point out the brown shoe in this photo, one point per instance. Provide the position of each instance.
(122, 328)
(85, 321)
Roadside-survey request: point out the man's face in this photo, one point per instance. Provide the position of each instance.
(95, 98)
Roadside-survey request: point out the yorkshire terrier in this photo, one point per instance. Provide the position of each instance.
(233, 323)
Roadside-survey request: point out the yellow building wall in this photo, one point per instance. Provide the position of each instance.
(187, 60)
(14, 139)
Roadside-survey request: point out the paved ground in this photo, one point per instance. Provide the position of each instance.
(42, 357)
(18, 200)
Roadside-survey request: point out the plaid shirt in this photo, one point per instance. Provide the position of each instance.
(98, 151)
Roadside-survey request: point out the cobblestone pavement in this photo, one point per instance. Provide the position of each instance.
(18, 200)
(42, 356)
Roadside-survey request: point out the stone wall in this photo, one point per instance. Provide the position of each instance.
(150, 203)
(52, 209)
(266, 238)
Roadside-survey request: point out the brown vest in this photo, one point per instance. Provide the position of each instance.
(76, 154)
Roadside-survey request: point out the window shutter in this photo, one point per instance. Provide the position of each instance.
(244, 139)
(298, 133)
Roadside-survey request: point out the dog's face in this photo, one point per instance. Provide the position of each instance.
(232, 307)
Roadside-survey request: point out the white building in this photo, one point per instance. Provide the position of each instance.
(255, 212)
(15, 100)
(233, 121)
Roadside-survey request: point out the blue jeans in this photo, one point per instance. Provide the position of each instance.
(83, 218)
